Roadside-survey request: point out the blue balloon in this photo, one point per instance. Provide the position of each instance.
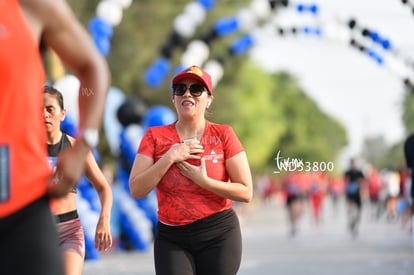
(136, 239)
(102, 44)
(386, 44)
(375, 36)
(242, 45)
(207, 4)
(151, 212)
(375, 56)
(156, 74)
(300, 7)
(314, 8)
(311, 30)
(178, 69)
(99, 27)
(88, 192)
(158, 115)
(226, 26)
(317, 31)
(128, 152)
(68, 125)
(91, 253)
(111, 124)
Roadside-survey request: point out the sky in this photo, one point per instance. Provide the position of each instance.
(345, 83)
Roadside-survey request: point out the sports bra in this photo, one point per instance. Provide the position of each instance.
(53, 151)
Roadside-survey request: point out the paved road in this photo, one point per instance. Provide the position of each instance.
(381, 248)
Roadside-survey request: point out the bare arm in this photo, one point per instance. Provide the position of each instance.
(145, 175)
(55, 23)
(103, 238)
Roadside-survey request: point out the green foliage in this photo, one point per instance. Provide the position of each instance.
(393, 158)
(384, 156)
(311, 135)
(408, 113)
(249, 107)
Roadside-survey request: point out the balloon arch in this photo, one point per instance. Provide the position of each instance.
(126, 118)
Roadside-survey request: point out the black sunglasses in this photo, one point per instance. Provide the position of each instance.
(196, 90)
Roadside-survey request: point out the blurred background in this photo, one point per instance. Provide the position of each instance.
(314, 81)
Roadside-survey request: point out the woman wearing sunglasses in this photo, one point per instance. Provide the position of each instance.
(198, 169)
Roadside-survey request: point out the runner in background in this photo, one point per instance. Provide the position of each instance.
(374, 189)
(317, 191)
(354, 180)
(70, 229)
(409, 159)
(293, 187)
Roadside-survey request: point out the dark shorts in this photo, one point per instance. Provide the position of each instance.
(291, 198)
(354, 198)
(29, 241)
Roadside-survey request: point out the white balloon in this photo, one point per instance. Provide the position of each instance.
(88, 216)
(342, 18)
(111, 125)
(344, 35)
(134, 134)
(397, 67)
(200, 49)
(247, 19)
(136, 215)
(124, 3)
(196, 11)
(261, 8)
(189, 59)
(257, 37)
(216, 71)
(337, 33)
(110, 11)
(184, 25)
(69, 86)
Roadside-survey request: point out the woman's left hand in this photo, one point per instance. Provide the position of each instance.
(103, 237)
(197, 174)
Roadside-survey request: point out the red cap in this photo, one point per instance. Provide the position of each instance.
(195, 72)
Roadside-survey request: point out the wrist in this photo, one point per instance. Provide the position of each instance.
(89, 136)
(168, 158)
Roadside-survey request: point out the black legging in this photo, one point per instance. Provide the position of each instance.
(208, 246)
(355, 198)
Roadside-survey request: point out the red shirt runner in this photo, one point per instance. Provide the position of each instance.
(181, 201)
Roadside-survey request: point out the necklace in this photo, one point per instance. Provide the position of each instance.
(189, 135)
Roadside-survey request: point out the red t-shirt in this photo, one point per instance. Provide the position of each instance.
(181, 201)
(23, 156)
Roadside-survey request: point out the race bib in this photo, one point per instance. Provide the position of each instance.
(52, 163)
